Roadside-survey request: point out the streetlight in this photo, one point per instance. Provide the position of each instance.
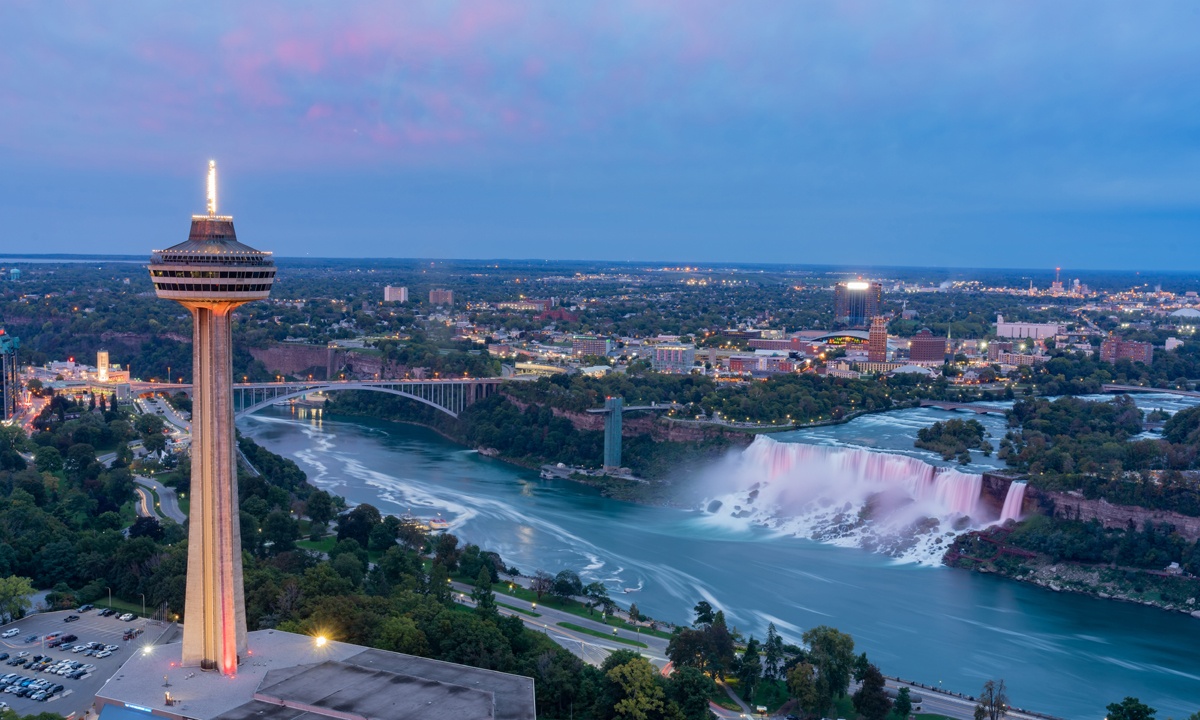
(109, 596)
(143, 604)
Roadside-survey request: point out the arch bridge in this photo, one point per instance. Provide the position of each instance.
(449, 395)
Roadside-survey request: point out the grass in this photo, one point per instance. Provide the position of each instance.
(523, 611)
(772, 693)
(326, 545)
(597, 633)
(120, 605)
(570, 606)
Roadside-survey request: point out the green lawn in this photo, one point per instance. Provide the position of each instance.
(324, 545)
(121, 605)
(772, 693)
(570, 606)
(598, 633)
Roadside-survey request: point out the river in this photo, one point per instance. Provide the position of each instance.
(1064, 654)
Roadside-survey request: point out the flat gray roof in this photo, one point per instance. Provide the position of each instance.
(287, 677)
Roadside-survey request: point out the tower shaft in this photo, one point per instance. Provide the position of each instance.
(214, 633)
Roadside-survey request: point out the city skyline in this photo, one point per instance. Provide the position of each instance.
(928, 135)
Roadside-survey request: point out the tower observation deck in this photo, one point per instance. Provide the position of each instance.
(211, 273)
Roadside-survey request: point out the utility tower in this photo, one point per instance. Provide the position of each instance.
(210, 274)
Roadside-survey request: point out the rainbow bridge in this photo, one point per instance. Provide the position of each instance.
(449, 395)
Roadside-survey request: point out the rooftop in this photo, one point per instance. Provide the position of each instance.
(289, 677)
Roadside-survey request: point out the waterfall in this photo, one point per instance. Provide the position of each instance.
(1012, 502)
(889, 503)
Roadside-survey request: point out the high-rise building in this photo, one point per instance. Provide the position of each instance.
(877, 340)
(674, 358)
(856, 302)
(102, 367)
(590, 345)
(1112, 350)
(10, 384)
(925, 347)
(395, 294)
(441, 297)
(210, 274)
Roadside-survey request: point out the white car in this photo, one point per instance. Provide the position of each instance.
(126, 617)
(9, 633)
(104, 653)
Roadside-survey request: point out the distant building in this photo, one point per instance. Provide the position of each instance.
(1030, 331)
(396, 294)
(441, 297)
(1112, 350)
(528, 304)
(1011, 358)
(590, 345)
(856, 302)
(14, 274)
(102, 367)
(1173, 343)
(674, 358)
(877, 340)
(925, 347)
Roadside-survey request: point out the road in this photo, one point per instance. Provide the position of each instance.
(144, 501)
(589, 648)
(168, 503)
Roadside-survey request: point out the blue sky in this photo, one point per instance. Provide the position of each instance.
(909, 133)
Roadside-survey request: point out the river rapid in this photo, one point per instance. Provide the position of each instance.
(1059, 653)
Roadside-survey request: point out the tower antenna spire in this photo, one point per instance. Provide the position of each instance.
(212, 188)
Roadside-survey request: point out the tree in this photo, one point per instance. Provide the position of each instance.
(567, 584)
(704, 613)
(146, 527)
(871, 701)
(690, 689)
(1130, 709)
(636, 687)
(446, 552)
(832, 653)
(597, 593)
(634, 613)
(47, 459)
(903, 704)
(319, 507)
(541, 583)
(772, 653)
(993, 701)
(802, 686)
(382, 537)
(279, 529)
(14, 596)
(485, 599)
(749, 669)
(358, 523)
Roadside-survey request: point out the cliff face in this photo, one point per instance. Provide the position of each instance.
(660, 429)
(1074, 506)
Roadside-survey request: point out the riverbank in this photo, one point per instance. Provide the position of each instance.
(987, 551)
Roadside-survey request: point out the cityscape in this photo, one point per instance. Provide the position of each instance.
(430, 435)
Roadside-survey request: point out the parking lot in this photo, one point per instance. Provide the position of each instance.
(77, 694)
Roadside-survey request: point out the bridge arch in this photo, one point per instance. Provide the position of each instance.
(451, 398)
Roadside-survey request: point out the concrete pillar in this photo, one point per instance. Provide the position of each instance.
(214, 631)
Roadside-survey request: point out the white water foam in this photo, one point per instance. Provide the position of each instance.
(851, 497)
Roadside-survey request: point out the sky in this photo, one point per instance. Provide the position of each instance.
(981, 134)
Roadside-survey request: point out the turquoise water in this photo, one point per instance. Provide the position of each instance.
(1064, 654)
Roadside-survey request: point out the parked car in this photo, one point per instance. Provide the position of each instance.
(71, 618)
(69, 638)
(127, 617)
(11, 632)
(104, 653)
(3, 656)
(31, 638)
(85, 608)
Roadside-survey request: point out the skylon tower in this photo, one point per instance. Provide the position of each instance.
(210, 274)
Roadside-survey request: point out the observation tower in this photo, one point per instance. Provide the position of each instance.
(210, 274)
